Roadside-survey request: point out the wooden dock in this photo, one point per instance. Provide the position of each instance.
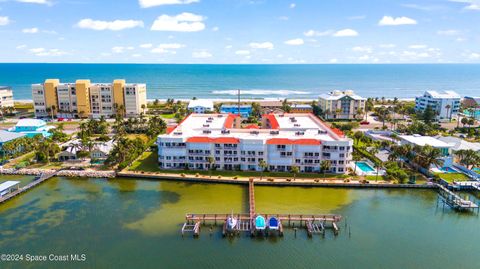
(454, 201)
(314, 223)
(38, 180)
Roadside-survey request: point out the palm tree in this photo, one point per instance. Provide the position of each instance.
(211, 162)
(325, 165)
(447, 107)
(263, 165)
(356, 158)
(295, 170)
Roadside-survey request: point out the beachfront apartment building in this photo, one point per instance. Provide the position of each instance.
(201, 106)
(6, 97)
(419, 140)
(446, 105)
(84, 99)
(283, 141)
(341, 104)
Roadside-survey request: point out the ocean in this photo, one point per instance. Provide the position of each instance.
(185, 81)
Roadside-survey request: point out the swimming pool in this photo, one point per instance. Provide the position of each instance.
(448, 170)
(365, 167)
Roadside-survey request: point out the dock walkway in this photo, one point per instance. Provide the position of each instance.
(314, 223)
(454, 200)
(38, 180)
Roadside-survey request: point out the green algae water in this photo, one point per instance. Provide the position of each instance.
(125, 223)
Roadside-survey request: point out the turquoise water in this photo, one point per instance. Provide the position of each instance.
(448, 170)
(125, 223)
(257, 81)
(365, 167)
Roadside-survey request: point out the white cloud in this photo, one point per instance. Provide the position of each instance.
(228, 47)
(391, 21)
(119, 49)
(387, 46)
(293, 5)
(417, 46)
(4, 20)
(449, 32)
(242, 52)
(167, 48)
(364, 49)
(42, 2)
(154, 3)
(215, 29)
(184, 22)
(202, 54)
(21, 47)
(474, 56)
(311, 33)
(46, 52)
(364, 58)
(470, 4)
(33, 30)
(136, 55)
(333, 61)
(116, 25)
(345, 33)
(264, 45)
(146, 46)
(295, 42)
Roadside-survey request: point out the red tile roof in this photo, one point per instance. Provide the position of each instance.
(229, 121)
(273, 121)
(286, 141)
(338, 132)
(170, 129)
(252, 126)
(219, 140)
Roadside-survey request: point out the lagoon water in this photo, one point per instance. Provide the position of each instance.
(136, 224)
(184, 81)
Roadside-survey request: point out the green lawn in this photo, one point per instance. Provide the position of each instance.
(148, 163)
(451, 177)
(168, 116)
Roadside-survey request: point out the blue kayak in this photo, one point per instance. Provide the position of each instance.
(273, 223)
(260, 222)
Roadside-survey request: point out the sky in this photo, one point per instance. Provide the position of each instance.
(240, 31)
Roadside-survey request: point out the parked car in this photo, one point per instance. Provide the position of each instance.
(364, 122)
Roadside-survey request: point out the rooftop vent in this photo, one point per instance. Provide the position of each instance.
(177, 133)
(254, 132)
(296, 125)
(225, 131)
(207, 131)
(274, 132)
(299, 133)
(206, 125)
(322, 132)
(210, 118)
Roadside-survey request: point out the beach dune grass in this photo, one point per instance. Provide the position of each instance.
(148, 163)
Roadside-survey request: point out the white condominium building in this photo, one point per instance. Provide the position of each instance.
(135, 99)
(85, 99)
(285, 140)
(341, 105)
(6, 97)
(446, 105)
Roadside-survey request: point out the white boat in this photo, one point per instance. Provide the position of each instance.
(231, 223)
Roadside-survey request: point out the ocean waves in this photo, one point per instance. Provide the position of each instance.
(261, 92)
